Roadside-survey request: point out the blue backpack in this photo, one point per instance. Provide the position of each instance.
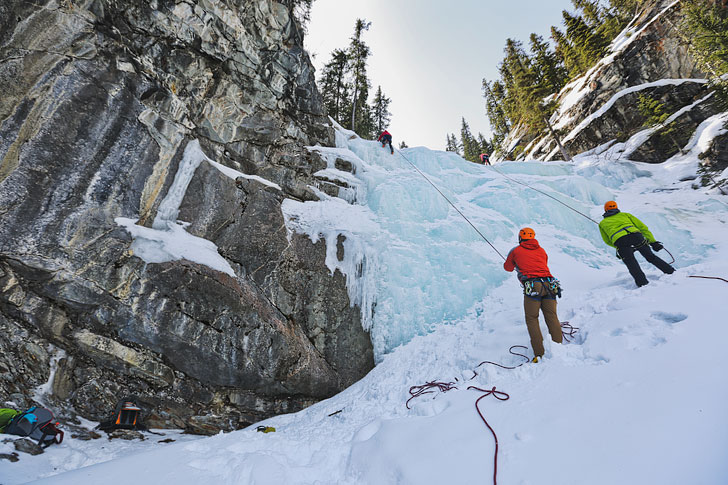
(37, 424)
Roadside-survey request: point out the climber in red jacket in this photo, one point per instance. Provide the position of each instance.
(386, 138)
(540, 288)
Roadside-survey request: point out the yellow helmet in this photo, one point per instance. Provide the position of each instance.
(610, 205)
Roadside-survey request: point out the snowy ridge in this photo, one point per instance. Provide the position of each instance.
(234, 174)
(573, 92)
(633, 89)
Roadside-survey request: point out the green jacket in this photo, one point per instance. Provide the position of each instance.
(620, 224)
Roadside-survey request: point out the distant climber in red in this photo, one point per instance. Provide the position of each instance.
(386, 138)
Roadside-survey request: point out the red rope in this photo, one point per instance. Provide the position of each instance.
(710, 278)
(568, 331)
(501, 396)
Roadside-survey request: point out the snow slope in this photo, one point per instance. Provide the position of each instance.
(637, 397)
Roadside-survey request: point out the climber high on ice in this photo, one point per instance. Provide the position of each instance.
(626, 233)
(540, 288)
(386, 138)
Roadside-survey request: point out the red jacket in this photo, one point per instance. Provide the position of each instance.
(385, 132)
(529, 259)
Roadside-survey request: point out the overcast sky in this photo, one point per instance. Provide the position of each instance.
(430, 56)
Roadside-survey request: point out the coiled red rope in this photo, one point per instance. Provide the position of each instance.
(429, 388)
(501, 396)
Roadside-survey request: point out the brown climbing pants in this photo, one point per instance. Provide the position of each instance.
(547, 304)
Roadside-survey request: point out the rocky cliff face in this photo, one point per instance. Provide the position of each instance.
(651, 59)
(101, 100)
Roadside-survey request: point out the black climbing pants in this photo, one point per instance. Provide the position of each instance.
(387, 140)
(627, 245)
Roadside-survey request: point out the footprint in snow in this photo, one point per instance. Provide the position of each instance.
(669, 318)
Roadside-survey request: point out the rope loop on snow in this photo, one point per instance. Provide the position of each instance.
(505, 366)
(501, 396)
(450, 202)
(709, 277)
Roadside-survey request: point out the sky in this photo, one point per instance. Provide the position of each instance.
(430, 56)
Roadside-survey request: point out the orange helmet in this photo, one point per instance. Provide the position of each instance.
(526, 233)
(610, 205)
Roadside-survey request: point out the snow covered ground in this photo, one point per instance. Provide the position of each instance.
(637, 397)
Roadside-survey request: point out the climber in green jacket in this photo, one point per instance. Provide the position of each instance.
(627, 234)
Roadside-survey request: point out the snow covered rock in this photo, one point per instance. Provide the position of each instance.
(649, 58)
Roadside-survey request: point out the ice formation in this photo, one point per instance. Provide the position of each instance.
(413, 263)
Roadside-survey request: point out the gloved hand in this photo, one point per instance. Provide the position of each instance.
(618, 255)
(656, 246)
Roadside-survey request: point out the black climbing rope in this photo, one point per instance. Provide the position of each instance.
(450, 202)
(544, 193)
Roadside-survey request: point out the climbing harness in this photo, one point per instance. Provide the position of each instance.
(449, 202)
(542, 192)
(611, 238)
(709, 277)
(552, 285)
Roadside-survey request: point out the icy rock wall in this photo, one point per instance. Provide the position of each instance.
(101, 98)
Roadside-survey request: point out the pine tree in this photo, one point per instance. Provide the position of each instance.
(652, 110)
(529, 94)
(452, 144)
(494, 97)
(485, 145)
(592, 11)
(380, 111)
(334, 86)
(550, 71)
(566, 52)
(471, 147)
(361, 119)
(589, 44)
(656, 115)
(706, 26)
(625, 10)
